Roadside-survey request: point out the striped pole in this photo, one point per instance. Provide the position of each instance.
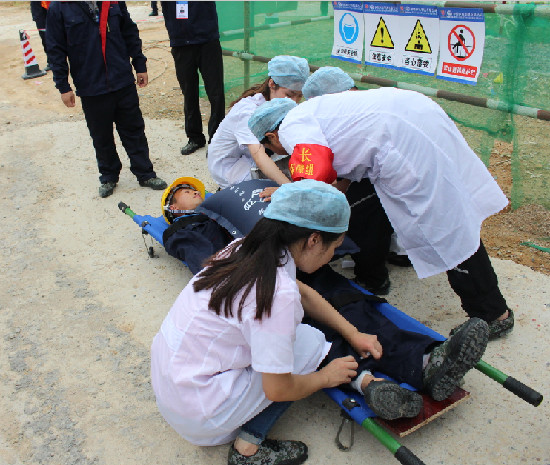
(32, 70)
(493, 104)
(512, 8)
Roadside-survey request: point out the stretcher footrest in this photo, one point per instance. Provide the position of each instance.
(432, 409)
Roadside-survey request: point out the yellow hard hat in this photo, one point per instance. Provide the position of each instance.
(169, 192)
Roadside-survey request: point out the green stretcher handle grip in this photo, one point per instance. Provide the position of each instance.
(401, 453)
(513, 385)
(125, 209)
(406, 457)
(524, 392)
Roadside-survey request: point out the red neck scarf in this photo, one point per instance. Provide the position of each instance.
(103, 26)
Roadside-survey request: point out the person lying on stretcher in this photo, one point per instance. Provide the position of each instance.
(199, 226)
(232, 351)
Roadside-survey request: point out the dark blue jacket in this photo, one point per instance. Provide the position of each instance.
(195, 242)
(39, 14)
(73, 34)
(201, 26)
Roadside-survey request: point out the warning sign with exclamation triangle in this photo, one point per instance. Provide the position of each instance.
(418, 42)
(382, 37)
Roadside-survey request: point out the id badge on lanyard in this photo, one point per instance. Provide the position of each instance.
(182, 10)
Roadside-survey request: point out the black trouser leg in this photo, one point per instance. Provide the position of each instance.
(211, 69)
(186, 60)
(131, 129)
(43, 38)
(403, 351)
(476, 283)
(370, 229)
(99, 112)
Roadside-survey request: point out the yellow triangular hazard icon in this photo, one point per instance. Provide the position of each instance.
(382, 37)
(418, 42)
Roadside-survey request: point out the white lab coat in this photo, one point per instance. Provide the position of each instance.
(206, 370)
(433, 187)
(229, 160)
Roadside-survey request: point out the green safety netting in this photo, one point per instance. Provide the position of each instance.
(515, 76)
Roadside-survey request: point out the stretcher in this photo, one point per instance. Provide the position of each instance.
(352, 404)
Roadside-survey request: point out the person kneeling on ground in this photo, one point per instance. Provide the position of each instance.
(232, 352)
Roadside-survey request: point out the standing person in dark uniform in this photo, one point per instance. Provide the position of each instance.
(195, 41)
(99, 39)
(39, 11)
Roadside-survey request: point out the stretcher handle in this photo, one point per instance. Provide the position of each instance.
(126, 209)
(401, 453)
(522, 391)
(406, 457)
(512, 384)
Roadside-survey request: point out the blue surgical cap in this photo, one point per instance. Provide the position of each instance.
(288, 71)
(268, 115)
(310, 204)
(327, 80)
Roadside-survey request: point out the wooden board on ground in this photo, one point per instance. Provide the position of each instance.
(432, 409)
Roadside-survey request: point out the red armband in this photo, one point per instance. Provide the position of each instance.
(312, 161)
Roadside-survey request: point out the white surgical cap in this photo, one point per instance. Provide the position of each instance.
(268, 115)
(310, 204)
(288, 71)
(327, 80)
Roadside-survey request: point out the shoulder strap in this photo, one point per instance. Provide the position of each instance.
(182, 223)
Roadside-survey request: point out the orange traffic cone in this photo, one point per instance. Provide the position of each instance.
(32, 70)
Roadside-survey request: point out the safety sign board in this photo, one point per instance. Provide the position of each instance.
(380, 25)
(382, 37)
(418, 41)
(462, 40)
(349, 30)
(420, 29)
(404, 37)
(411, 37)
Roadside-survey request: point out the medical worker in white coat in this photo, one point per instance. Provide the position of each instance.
(433, 187)
(234, 150)
(232, 351)
(377, 241)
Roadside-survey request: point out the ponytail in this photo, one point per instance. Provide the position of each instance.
(261, 88)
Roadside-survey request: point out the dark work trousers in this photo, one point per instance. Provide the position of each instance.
(39, 15)
(402, 351)
(121, 108)
(370, 229)
(476, 283)
(189, 60)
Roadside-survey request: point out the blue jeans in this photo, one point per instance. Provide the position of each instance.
(255, 430)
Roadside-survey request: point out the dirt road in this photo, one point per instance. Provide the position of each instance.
(80, 302)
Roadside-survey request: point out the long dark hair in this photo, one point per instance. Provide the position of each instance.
(261, 88)
(255, 262)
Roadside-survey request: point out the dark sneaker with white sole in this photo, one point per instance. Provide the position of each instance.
(390, 401)
(449, 361)
(156, 184)
(106, 189)
(271, 452)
